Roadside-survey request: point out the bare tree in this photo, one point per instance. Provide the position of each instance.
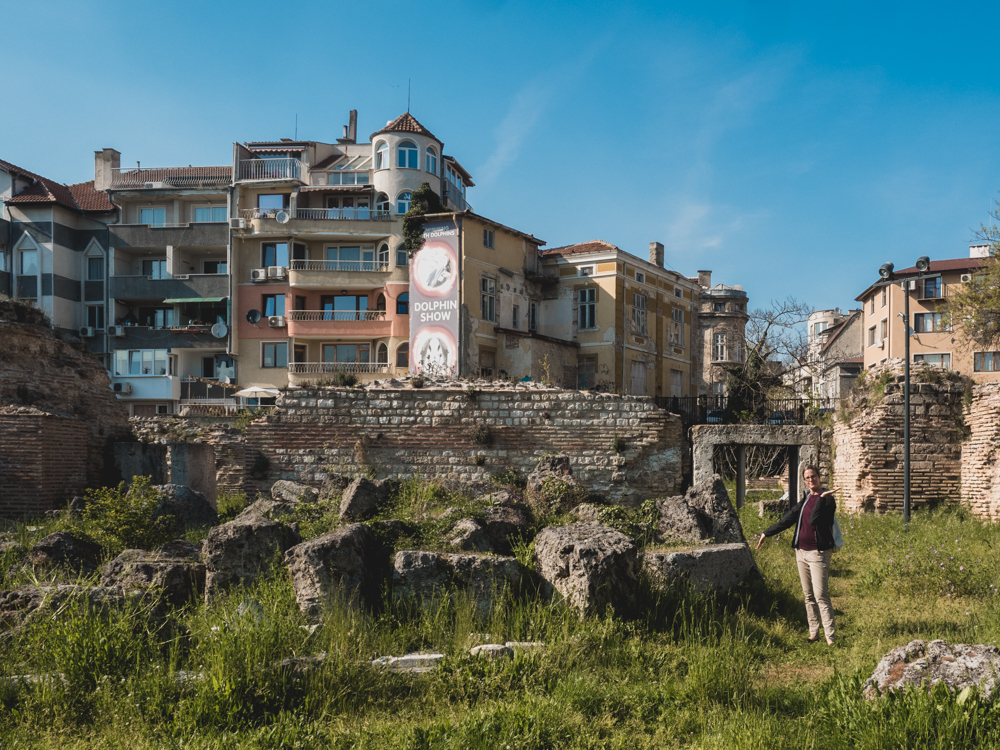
(973, 309)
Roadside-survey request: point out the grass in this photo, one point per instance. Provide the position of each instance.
(684, 671)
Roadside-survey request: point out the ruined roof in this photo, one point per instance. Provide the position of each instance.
(78, 197)
(406, 123)
(581, 248)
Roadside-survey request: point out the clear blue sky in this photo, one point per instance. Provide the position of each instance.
(787, 147)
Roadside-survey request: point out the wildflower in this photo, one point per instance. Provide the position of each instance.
(961, 567)
(968, 613)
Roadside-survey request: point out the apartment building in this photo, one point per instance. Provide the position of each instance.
(931, 341)
(169, 321)
(53, 249)
(833, 358)
(320, 271)
(722, 316)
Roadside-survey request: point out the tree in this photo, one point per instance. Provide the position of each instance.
(423, 201)
(974, 308)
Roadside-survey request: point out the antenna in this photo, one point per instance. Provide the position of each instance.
(407, 95)
(296, 126)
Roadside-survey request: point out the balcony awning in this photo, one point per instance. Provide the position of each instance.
(179, 300)
(337, 189)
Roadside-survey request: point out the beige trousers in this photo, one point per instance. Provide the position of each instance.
(814, 573)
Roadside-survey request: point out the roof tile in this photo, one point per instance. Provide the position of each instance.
(406, 123)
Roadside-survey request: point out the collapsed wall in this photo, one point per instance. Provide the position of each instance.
(225, 438)
(980, 451)
(622, 447)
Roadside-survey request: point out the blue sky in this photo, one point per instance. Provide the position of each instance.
(788, 148)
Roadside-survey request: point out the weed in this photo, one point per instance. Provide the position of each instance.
(417, 381)
(481, 434)
(126, 517)
(617, 443)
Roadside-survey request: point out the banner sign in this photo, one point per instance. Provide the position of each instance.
(434, 319)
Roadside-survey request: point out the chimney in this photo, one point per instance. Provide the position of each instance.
(352, 129)
(656, 254)
(979, 251)
(705, 279)
(105, 161)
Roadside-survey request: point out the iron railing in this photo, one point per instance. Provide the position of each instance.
(320, 368)
(340, 265)
(339, 316)
(153, 178)
(270, 169)
(715, 410)
(357, 213)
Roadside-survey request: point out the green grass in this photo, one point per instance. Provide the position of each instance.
(683, 671)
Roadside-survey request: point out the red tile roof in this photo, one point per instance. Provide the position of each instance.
(406, 123)
(81, 196)
(89, 199)
(593, 246)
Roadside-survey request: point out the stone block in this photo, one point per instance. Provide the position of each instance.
(717, 567)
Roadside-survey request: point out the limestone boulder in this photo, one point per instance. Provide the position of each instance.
(344, 560)
(178, 576)
(680, 522)
(505, 525)
(274, 509)
(186, 507)
(19, 606)
(64, 550)
(12, 549)
(360, 500)
(386, 489)
(717, 567)
(425, 576)
(500, 496)
(586, 512)
(285, 491)
(467, 535)
(956, 665)
(333, 487)
(704, 513)
(589, 565)
(389, 531)
(238, 552)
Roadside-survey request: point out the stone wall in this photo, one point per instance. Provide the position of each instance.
(399, 432)
(980, 451)
(868, 449)
(219, 432)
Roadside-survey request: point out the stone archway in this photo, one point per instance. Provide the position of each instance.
(802, 442)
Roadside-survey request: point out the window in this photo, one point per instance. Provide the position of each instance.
(274, 354)
(403, 203)
(431, 161)
(155, 217)
(403, 355)
(382, 354)
(383, 256)
(347, 178)
(677, 383)
(515, 317)
(300, 353)
(157, 317)
(215, 266)
(487, 363)
(640, 277)
(871, 336)
(344, 307)
(403, 304)
(931, 288)
(719, 347)
(274, 254)
(532, 316)
(488, 298)
(273, 304)
(210, 213)
(883, 329)
(380, 302)
(270, 204)
(143, 362)
(208, 367)
(986, 361)
(407, 156)
(884, 296)
(719, 307)
(351, 258)
(677, 317)
(818, 328)
(29, 263)
(382, 155)
(588, 308)
(95, 316)
(678, 292)
(487, 238)
(871, 305)
(382, 203)
(928, 322)
(347, 353)
(585, 271)
(402, 257)
(639, 314)
(586, 373)
(95, 269)
(155, 269)
(941, 360)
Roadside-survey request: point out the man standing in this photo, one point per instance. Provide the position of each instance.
(813, 519)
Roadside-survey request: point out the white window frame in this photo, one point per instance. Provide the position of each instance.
(402, 255)
(212, 208)
(587, 309)
(382, 155)
(922, 357)
(103, 319)
(430, 160)
(400, 199)
(678, 292)
(585, 270)
(719, 346)
(153, 208)
(403, 152)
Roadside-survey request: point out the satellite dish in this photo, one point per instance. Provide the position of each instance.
(282, 217)
(219, 330)
(253, 316)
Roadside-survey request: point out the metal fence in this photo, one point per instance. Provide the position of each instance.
(715, 410)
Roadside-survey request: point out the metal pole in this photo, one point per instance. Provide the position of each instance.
(906, 404)
(741, 475)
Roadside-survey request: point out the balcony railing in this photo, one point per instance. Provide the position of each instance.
(336, 315)
(270, 169)
(320, 368)
(456, 197)
(154, 178)
(340, 265)
(320, 214)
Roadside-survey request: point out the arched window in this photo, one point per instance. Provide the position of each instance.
(380, 302)
(403, 355)
(382, 354)
(383, 257)
(403, 203)
(408, 156)
(403, 304)
(402, 257)
(382, 203)
(382, 155)
(432, 161)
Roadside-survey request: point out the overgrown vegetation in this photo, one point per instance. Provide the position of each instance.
(423, 201)
(973, 308)
(125, 517)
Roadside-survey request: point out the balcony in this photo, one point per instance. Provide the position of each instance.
(270, 169)
(318, 214)
(328, 273)
(158, 387)
(178, 337)
(167, 178)
(200, 234)
(455, 198)
(193, 286)
(338, 323)
(341, 265)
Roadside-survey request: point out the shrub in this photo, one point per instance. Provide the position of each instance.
(417, 381)
(126, 517)
(557, 496)
(343, 379)
(245, 417)
(617, 443)
(481, 434)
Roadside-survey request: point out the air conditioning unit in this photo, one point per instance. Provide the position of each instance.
(87, 332)
(117, 330)
(258, 274)
(966, 278)
(237, 224)
(276, 321)
(276, 272)
(124, 388)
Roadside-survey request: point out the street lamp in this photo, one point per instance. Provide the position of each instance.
(886, 272)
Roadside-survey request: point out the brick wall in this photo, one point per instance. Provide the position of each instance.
(226, 440)
(43, 461)
(980, 469)
(401, 432)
